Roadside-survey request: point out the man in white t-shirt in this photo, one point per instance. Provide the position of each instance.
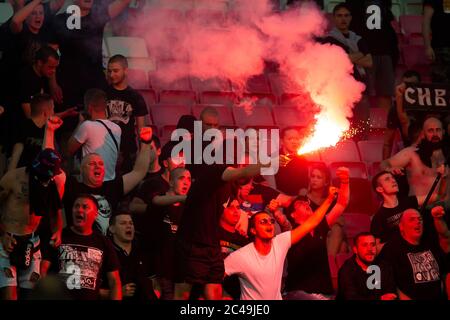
(259, 265)
(98, 134)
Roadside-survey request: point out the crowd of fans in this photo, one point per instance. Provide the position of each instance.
(92, 206)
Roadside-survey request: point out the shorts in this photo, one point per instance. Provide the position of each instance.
(26, 279)
(381, 77)
(199, 264)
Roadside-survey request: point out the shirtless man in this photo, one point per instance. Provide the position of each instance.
(26, 195)
(420, 162)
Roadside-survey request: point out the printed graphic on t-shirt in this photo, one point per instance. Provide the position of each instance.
(104, 213)
(425, 267)
(394, 220)
(119, 111)
(88, 261)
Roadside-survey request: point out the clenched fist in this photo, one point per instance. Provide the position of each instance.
(146, 134)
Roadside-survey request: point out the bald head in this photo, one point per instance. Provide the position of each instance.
(432, 130)
(209, 118)
(411, 226)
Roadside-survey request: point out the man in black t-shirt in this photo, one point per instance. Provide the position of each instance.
(416, 262)
(383, 46)
(385, 221)
(30, 137)
(161, 226)
(358, 53)
(436, 16)
(135, 285)
(81, 49)
(109, 193)
(126, 107)
(85, 257)
(353, 275)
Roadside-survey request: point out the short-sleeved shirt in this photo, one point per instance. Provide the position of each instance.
(260, 276)
(440, 23)
(308, 268)
(107, 196)
(418, 269)
(385, 221)
(206, 200)
(122, 108)
(91, 257)
(96, 139)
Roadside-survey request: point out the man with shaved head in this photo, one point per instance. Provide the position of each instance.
(417, 263)
(107, 193)
(421, 163)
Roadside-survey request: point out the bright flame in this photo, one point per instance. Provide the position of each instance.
(327, 133)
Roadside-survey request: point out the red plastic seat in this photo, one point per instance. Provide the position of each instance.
(168, 115)
(361, 196)
(258, 84)
(290, 116)
(187, 98)
(260, 116)
(225, 113)
(356, 223)
(414, 56)
(343, 151)
(215, 97)
(411, 24)
(261, 99)
(138, 79)
(158, 84)
(371, 151)
(212, 84)
(281, 84)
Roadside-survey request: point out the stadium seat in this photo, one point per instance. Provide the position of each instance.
(357, 169)
(413, 7)
(130, 47)
(225, 113)
(158, 84)
(313, 157)
(187, 98)
(259, 116)
(168, 115)
(212, 84)
(6, 12)
(138, 79)
(149, 97)
(414, 56)
(411, 27)
(216, 97)
(356, 223)
(370, 151)
(258, 84)
(281, 84)
(261, 99)
(343, 151)
(290, 116)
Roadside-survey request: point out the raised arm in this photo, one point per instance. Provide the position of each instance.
(343, 196)
(298, 233)
(167, 200)
(53, 123)
(21, 15)
(398, 162)
(142, 164)
(15, 157)
(438, 213)
(116, 7)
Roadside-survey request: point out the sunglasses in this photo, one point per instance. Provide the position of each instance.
(266, 221)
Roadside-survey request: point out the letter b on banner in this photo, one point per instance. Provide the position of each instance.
(74, 21)
(374, 20)
(374, 281)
